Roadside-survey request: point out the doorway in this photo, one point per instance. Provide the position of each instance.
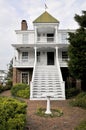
(50, 58)
(25, 77)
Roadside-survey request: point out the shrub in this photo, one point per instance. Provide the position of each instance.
(12, 114)
(81, 126)
(80, 100)
(71, 92)
(21, 90)
(8, 85)
(1, 88)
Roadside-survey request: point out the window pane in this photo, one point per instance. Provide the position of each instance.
(64, 55)
(25, 55)
(25, 78)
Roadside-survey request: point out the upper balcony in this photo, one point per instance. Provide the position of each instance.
(29, 37)
(30, 63)
(20, 63)
(46, 40)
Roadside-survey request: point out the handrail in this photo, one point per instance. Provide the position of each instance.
(31, 83)
(33, 75)
(58, 66)
(23, 62)
(45, 39)
(62, 82)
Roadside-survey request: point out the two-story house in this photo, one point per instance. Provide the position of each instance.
(41, 57)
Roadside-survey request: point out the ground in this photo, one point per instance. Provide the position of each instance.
(72, 115)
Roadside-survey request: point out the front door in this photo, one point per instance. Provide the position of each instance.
(25, 77)
(50, 58)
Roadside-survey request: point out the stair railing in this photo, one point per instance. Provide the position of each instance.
(59, 71)
(33, 75)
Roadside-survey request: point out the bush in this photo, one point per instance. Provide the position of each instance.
(81, 126)
(12, 114)
(71, 92)
(80, 100)
(21, 90)
(8, 86)
(1, 88)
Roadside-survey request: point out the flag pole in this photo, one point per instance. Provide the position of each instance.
(46, 7)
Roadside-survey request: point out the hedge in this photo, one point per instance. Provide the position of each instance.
(12, 114)
(21, 90)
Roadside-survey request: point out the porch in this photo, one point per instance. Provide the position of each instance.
(43, 55)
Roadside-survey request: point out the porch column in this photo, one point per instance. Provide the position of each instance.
(56, 38)
(56, 54)
(35, 55)
(35, 34)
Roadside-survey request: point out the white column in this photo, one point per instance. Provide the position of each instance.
(56, 38)
(35, 34)
(35, 55)
(56, 55)
(48, 111)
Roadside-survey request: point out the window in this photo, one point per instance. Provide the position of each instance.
(64, 55)
(25, 38)
(24, 55)
(50, 37)
(38, 37)
(25, 77)
(38, 56)
(64, 37)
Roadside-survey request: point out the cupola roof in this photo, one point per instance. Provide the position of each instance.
(45, 18)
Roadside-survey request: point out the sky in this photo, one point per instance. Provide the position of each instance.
(12, 12)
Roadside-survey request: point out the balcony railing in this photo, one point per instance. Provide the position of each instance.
(23, 62)
(30, 63)
(63, 62)
(46, 39)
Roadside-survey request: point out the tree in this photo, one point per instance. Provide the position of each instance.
(10, 70)
(77, 49)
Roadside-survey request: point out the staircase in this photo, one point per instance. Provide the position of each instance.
(47, 81)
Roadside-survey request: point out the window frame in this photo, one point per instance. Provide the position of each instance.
(23, 74)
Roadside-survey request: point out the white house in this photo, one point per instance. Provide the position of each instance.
(41, 57)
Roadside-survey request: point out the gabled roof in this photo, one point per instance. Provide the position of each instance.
(46, 18)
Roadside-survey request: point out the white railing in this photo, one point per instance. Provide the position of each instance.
(33, 75)
(63, 89)
(31, 83)
(23, 62)
(46, 39)
(63, 62)
(58, 67)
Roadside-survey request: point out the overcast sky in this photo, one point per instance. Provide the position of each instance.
(13, 11)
